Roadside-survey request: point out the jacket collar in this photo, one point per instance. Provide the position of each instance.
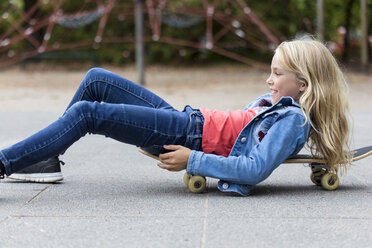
(265, 100)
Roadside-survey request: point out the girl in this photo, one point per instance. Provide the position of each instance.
(307, 102)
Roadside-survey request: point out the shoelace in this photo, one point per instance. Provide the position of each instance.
(61, 162)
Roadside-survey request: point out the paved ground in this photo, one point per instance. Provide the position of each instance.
(113, 196)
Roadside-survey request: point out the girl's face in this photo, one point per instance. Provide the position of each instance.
(284, 83)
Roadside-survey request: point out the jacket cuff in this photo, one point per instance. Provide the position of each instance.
(193, 163)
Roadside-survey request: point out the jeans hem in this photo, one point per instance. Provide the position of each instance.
(5, 162)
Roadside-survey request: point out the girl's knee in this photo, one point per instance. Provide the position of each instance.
(95, 71)
(94, 75)
(81, 108)
(81, 115)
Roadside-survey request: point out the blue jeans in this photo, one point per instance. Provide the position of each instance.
(110, 105)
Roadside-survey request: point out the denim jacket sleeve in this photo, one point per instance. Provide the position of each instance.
(247, 167)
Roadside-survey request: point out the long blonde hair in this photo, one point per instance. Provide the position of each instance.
(324, 102)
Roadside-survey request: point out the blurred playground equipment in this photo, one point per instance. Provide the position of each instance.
(236, 17)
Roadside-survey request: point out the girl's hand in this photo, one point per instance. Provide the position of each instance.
(176, 160)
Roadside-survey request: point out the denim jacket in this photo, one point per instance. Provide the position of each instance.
(263, 144)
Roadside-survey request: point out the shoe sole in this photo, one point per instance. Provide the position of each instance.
(38, 177)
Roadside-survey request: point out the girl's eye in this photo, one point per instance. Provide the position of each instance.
(277, 73)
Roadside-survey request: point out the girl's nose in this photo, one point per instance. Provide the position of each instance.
(269, 81)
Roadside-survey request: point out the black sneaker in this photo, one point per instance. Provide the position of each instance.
(48, 171)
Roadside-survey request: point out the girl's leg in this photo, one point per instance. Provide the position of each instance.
(137, 125)
(104, 86)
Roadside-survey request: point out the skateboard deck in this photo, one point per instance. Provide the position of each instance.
(304, 158)
(148, 154)
(358, 154)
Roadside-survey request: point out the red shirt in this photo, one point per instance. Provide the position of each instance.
(222, 128)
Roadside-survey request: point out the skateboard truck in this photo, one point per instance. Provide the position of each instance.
(321, 176)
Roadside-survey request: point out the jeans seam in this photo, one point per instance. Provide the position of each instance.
(133, 124)
(139, 126)
(115, 85)
(54, 140)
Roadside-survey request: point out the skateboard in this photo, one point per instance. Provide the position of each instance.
(320, 174)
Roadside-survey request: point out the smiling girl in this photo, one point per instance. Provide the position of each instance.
(307, 103)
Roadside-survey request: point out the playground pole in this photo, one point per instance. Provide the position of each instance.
(140, 50)
(364, 38)
(320, 19)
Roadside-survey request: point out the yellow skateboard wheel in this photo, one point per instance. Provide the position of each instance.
(330, 181)
(315, 180)
(186, 178)
(317, 177)
(197, 184)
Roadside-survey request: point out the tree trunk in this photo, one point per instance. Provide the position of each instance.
(320, 19)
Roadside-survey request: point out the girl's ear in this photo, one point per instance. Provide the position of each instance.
(302, 85)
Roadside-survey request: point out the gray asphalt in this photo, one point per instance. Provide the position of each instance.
(113, 196)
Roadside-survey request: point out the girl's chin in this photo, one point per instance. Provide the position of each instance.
(274, 99)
